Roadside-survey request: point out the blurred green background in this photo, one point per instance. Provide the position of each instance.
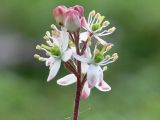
(134, 78)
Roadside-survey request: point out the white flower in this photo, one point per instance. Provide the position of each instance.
(94, 79)
(94, 71)
(57, 49)
(94, 27)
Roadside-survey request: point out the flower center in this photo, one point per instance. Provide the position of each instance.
(98, 57)
(55, 51)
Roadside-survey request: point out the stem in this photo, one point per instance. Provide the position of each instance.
(77, 101)
(78, 88)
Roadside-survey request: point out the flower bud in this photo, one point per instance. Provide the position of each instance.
(79, 9)
(72, 21)
(58, 14)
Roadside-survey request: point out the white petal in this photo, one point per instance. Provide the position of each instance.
(85, 91)
(103, 86)
(81, 58)
(67, 55)
(54, 70)
(93, 75)
(56, 40)
(64, 39)
(100, 40)
(84, 36)
(50, 61)
(84, 67)
(85, 25)
(87, 53)
(67, 80)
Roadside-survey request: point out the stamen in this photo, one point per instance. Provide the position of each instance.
(105, 68)
(48, 34)
(101, 18)
(111, 30)
(115, 56)
(38, 47)
(46, 47)
(91, 14)
(46, 37)
(49, 43)
(41, 59)
(98, 17)
(105, 23)
(95, 49)
(54, 27)
(36, 56)
(95, 17)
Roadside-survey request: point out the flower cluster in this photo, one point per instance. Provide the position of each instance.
(84, 54)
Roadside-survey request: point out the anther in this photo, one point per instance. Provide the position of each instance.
(115, 56)
(36, 56)
(48, 33)
(38, 47)
(105, 23)
(111, 30)
(92, 13)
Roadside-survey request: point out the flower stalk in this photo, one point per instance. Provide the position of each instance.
(72, 47)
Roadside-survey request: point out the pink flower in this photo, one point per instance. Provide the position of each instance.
(58, 14)
(72, 21)
(70, 18)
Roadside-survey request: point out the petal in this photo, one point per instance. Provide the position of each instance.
(85, 91)
(87, 53)
(50, 61)
(93, 75)
(67, 80)
(84, 36)
(103, 86)
(100, 40)
(67, 55)
(54, 70)
(84, 24)
(81, 58)
(64, 39)
(84, 67)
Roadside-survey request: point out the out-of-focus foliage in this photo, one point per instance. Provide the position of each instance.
(134, 78)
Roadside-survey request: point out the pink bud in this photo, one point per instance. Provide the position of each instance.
(58, 14)
(72, 21)
(80, 10)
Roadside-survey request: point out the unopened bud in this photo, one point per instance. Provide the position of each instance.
(80, 10)
(72, 20)
(58, 14)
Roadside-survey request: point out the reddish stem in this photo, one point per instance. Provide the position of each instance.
(77, 101)
(78, 88)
